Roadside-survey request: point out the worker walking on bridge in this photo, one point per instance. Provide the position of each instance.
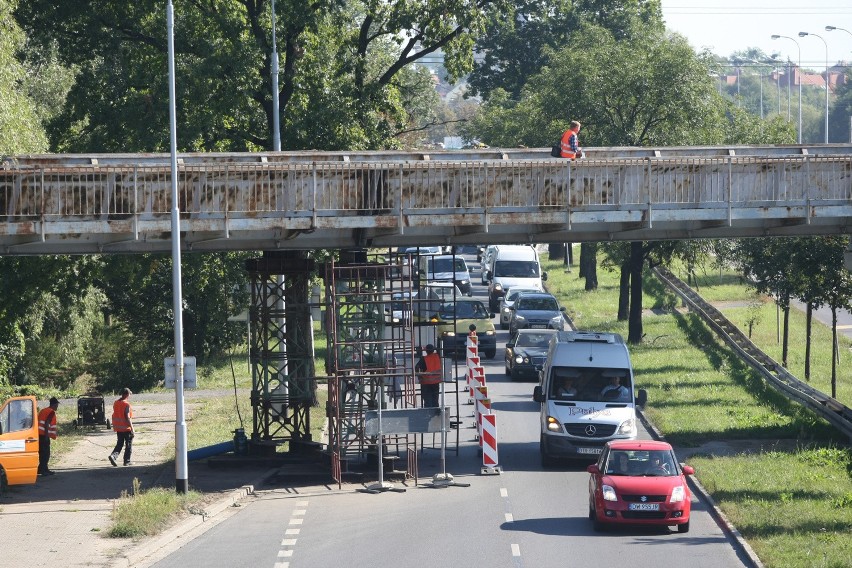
(571, 142)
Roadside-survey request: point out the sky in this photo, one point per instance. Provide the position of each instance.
(726, 26)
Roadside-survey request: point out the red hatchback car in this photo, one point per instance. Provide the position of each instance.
(639, 482)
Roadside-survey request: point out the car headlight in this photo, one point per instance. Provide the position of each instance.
(553, 424)
(506, 310)
(449, 334)
(557, 322)
(465, 282)
(608, 493)
(490, 332)
(519, 359)
(498, 287)
(628, 427)
(519, 317)
(678, 494)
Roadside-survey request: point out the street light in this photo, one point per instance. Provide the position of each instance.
(803, 34)
(832, 28)
(776, 36)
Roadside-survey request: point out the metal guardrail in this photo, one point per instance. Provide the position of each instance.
(58, 204)
(837, 414)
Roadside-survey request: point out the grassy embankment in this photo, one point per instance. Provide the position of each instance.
(791, 501)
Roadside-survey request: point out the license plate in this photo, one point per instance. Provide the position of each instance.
(644, 506)
(583, 450)
(538, 326)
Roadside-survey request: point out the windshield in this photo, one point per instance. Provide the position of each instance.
(591, 384)
(653, 463)
(533, 339)
(513, 293)
(537, 303)
(516, 269)
(446, 265)
(464, 310)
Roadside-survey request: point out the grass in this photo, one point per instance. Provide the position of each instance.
(794, 507)
(146, 513)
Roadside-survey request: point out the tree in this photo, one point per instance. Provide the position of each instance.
(342, 70)
(20, 128)
(838, 119)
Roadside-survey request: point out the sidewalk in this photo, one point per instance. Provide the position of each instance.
(62, 520)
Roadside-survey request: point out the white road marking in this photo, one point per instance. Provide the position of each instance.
(292, 531)
(288, 542)
(285, 553)
(296, 521)
(504, 492)
(516, 550)
(510, 518)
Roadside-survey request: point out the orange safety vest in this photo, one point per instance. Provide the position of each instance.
(567, 151)
(432, 375)
(47, 422)
(121, 410)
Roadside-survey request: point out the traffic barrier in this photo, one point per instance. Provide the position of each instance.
(483, 408)
(475, 378)
(489, 445)
(479, 393)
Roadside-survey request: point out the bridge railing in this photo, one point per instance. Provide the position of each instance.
(353, 188)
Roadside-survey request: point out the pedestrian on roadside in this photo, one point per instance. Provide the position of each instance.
(571, 142)
(429, 371)
(46, 433)
(122, 424)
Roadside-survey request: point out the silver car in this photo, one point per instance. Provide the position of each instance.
(507, 301)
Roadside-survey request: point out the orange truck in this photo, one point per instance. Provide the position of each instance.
(18, 441)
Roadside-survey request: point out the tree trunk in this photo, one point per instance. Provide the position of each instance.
(583, 253)
(591, 268)
(556, 251)
(634, 325)
(624, 292)
(833, 352)
(786, 339)
(808, 320)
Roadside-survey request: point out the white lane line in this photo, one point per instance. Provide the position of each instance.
(299, 512)
(288, 542)
(510, 518)
(504, 492)
(281, 565)
(292, 531)
(285, 553)
(516, 550)
(296, 521)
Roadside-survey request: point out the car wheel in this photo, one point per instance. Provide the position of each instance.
(504, 325)
(4, 483)
(684, 528)
(508, 371)
(490, 353)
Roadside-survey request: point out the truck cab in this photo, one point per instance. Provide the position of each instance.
(18, 441)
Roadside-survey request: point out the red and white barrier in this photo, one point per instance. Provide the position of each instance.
(483, 407)
(488, 441)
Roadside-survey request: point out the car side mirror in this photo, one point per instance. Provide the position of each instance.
(488, 275)
(561, 308)
(688, 469)
(544, 276)
(642, 398)
(593, 468)
(538, 395)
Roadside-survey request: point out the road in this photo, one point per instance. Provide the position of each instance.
(524, 517)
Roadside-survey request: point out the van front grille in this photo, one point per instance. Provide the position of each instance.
(590, 430)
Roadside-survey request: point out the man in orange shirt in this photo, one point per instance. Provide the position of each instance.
(46, 433)
(122, 424)
(429, 370)
(571, 141)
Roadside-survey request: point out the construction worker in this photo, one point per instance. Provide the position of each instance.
(571, 142)
(46, 433)
(122, 424)
(429, 371)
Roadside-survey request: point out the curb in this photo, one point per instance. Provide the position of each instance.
(721, 519)
(138, 554)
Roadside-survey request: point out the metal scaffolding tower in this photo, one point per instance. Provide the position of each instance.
(281, 351)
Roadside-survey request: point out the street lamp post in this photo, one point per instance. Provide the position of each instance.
(776, 36)
(803, 34)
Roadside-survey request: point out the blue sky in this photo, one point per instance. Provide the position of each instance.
(726, 26)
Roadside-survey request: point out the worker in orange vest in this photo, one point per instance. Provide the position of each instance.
(46, 433)
(122, 424)
(571, 141)
(429, 371)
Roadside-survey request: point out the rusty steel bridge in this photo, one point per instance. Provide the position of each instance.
(121, 203)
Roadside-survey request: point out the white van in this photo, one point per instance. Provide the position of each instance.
(586, 395)
(511, 266)
(445, 268)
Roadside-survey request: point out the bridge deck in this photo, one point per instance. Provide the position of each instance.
(303, 200)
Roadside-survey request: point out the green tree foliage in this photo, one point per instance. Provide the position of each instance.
(20, 128)
(649, 90)
(516, 41)
(841, 111)
(342, 67)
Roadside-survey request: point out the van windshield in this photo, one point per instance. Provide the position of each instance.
(516, 269)
(446, 265)
(590, 384)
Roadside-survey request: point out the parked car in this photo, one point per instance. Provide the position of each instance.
(526, 352)
(537, 311)
(507, 301)
(453, 322)
(639, 482)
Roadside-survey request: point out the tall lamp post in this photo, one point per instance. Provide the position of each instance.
(803, 34)
(776, 36)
